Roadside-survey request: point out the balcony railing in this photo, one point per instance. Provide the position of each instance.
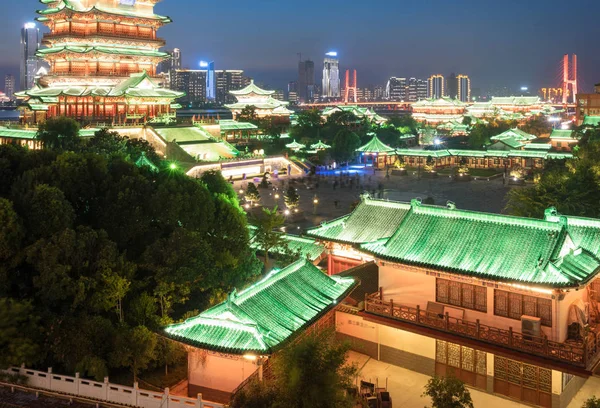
(582, 354)
(124, 34)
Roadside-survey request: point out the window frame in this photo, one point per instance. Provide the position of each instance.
(524, 302)
(477, 292)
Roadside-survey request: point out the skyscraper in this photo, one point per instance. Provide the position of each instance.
(169, 65)
(211, 80)
(192, 82)
(396, 89)
(292, 92)
(416, 89)
(229, 80)
(452, 86)
(331, 76)
(436, 86)
(9, 86)
(306, 80)
(30, 43)
(464, 88)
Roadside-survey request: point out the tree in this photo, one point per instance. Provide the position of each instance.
(248, 114)
(46, 211)
(309, 125)
(573, 188)
(591, 402)
(216, 184)
(266, 222)
(344, 146)
(252, 193)
(18, 333)
(448, 392)
(59, 132)
(134, 349)
(11, 230)
(537, 125)
(291, 197)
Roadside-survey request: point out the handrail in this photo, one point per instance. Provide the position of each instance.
(577, 354)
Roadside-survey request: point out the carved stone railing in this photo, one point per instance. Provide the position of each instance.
(582, 354)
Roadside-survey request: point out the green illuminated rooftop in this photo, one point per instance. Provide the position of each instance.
(74, 6)
(371, 220)
(306, 247)
(591, 120)
(492, 246)
(563, 134)
(130, 51)
(376, 146)
(261, 318)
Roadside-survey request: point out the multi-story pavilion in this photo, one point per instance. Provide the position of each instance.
(102, 56)
(262, 100)
(507, 304)
(440, 110)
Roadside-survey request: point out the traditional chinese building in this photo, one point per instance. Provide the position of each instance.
(102, 56)
(507, 304)
(379, 153)
(511, 139)
(263, 102)
(563, 139)
(359, 112)
(440, 110)
(233, 341)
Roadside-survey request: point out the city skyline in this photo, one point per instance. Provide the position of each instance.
(444, 46)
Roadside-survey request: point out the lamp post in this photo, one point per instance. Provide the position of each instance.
(315, 203)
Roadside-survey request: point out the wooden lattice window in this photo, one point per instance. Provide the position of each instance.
(515, 305)
(457, 356)
(525, 375)
(461, 294)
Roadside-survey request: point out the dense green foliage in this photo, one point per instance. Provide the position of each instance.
(448, 392)
(310, 373)
(96, 254)
(267, 236)
(573, 188)
(481, 133)
(344, 146)
(591, 402)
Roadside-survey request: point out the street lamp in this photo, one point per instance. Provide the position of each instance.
(315, 203)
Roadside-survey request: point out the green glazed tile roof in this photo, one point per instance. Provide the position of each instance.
(142, 52)
(184, 134)
(262, 317)
(585, 232)
(498, 247)
(320, 146)
(514, 134)
(370, 221)
(537, 146)
(295, 145)
(307, 247)
(234, 125)
(591, 120)
(375, 146)
(143, 161)
(251, 89)
(562, 134)
(76, 7)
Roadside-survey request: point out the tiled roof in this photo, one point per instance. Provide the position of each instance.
(142, 52)
(516, 134)
(251, 89)
(370, 221)
(307, 247)
(262, 317)
(76, 7)
(591, 120)
(498, 247)
(375, 146)
(234, 125)
(562, 134)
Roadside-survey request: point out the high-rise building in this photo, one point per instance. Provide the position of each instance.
(331, 76)
(292, 92)
(396, 89)
(416, 90)
(229, 80)
(306, 80)
(30, 43)
(9, 86)
(279, 95)
(379, 93)
(192, 82)
(436, 86)
(103, 56)
(452, 86)
(464, 88)
(211, 80)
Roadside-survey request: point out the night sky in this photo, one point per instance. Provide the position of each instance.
(509, 43)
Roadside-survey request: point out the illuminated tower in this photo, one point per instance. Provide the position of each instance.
(350, 87)
(567, 74)
(103, 56)
(464, 88)
(30, 43)
(436, 86)
(331, 76)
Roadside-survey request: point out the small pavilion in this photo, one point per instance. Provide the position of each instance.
(262, 100)
(320, 146)
(233, 341)
(381, 153)
(295, 146)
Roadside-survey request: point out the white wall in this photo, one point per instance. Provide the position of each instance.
(356, 326)
(223, 373)
(407, 341)
(411, 288)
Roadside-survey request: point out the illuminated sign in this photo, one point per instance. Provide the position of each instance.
(127, 2)
(29, 25)
(203, 64)
(332, 54)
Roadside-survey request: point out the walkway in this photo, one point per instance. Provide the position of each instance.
(406, 386)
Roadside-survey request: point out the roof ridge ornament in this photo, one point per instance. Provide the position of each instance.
(416, 202)
(451, 205)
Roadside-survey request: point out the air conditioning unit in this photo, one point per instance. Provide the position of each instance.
(531, 326)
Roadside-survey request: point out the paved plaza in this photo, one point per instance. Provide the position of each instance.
(336, 192)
